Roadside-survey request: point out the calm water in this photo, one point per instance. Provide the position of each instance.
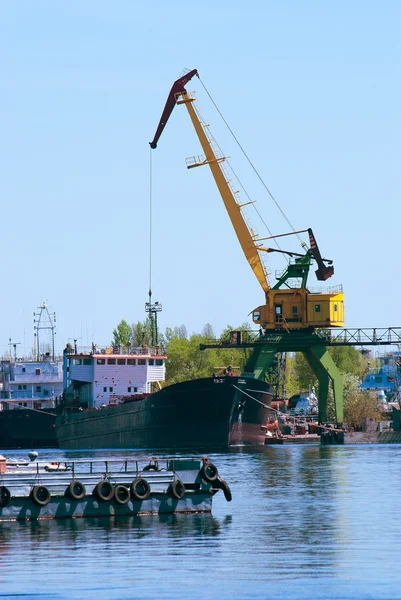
(304, 522)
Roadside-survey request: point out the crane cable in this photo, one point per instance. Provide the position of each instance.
(252, 165)
(150, 225)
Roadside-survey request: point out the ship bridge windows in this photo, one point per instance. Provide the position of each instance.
(131, 361)
(87, 361)
(121, 361)
(111, 361)
(77, 361)
(141, 361)
(159, 362)
(378, 379)
(37, 371)
(101, 361)
(151, 362)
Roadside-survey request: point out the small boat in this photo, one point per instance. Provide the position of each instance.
(33, 490)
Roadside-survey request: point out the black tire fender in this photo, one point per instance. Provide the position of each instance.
(222, 484)
(5, 496)
(40, 495)
(104, 491)
(209, 472)
(76, 490)
(177, 489)
(140, 488)
(122, 494)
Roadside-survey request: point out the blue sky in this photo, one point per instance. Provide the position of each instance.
(311, 89)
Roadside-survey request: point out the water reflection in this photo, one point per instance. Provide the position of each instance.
(305, 521)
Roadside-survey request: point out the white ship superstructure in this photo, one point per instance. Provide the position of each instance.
(31, 383)
(105, 376)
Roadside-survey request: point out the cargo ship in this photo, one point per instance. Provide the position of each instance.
(109, 403)
(29, 389)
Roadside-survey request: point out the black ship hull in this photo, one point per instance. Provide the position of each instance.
(219, 412)
(27, 428)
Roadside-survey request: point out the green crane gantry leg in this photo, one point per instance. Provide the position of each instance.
(326, 371)
(317, 356)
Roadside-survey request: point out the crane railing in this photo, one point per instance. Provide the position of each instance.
(330, 337)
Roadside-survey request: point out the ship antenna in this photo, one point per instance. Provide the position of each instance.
(43, 320)
(151, 309)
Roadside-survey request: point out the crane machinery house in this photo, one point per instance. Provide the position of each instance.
(111, 374)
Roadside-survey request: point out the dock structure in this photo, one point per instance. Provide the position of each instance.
(313, 343)
(107, 488)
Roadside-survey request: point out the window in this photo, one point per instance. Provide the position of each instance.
(378, 379)
(294, 310)
(77, 361)
(37, 371)
(20, 387)
(317, 307)
(135, 389)
(111, 361)
(87, 361)
(159, 362)
(151, 362)
(256, 315)
(24, 387)
(38, 388)
(25, 403)
(141, 361)
(23, 369)
(121, 361)
(131, 361)
(101, 361)
(335, 308)
(110, 389)
(129, 389)
(105, 389)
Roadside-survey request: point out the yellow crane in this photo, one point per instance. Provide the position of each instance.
(292, 315)
(287, 306)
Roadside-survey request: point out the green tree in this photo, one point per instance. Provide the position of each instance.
(122, 334)
(142, 333)
(185, 359)
(358, 403)
(207, 331)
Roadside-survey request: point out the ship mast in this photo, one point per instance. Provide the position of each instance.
(43, 320)
(152, 308)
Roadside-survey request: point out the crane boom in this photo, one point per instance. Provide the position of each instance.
(179, 95)
(287, 305)
(177, 87)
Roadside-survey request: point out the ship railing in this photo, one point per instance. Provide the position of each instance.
(122, 350)
(53, 474)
